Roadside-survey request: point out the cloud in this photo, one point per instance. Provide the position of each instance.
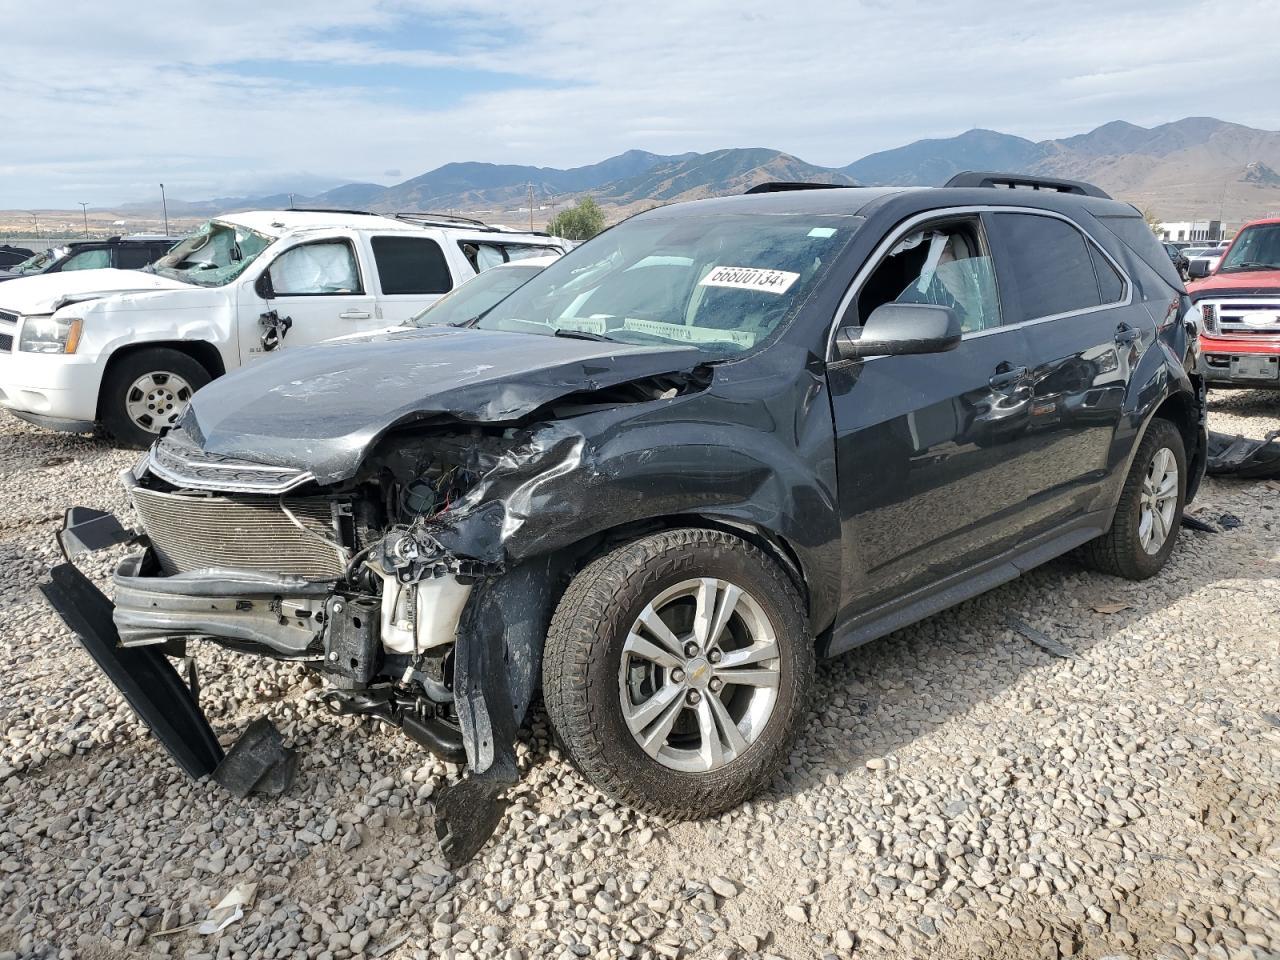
(215, 101)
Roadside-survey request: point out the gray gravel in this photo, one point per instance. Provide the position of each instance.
(961, 792)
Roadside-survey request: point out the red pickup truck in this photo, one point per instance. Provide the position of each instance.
(1237, 311)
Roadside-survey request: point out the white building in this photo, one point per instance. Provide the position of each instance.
(1206, 230)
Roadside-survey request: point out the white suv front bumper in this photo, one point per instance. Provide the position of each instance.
(53, 390)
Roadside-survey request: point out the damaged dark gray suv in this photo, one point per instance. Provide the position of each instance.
(720, 440)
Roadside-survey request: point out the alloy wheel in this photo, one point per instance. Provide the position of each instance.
(1159, 501)
(699, 675)
(156, 400)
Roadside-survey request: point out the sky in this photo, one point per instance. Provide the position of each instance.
(104, 100)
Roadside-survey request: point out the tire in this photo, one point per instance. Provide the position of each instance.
(168, 369)
(1120, 551)
(583, 678)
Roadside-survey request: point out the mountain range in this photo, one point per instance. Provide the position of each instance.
(1195, 168)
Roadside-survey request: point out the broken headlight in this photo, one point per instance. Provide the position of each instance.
(50, 335)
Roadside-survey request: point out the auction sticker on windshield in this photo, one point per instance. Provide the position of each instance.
(750, 278)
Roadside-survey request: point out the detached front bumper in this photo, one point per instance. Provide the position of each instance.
(494, 671)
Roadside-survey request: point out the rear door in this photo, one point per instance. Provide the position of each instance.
(933, 455)
(318, 291)
(411, 273)
(1086, 331)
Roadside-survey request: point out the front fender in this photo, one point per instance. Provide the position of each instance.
(128, 320)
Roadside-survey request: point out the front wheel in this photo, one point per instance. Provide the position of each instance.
(677, 672)
(146, 392)
(1149, 514)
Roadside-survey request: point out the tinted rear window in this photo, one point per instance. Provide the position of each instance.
(411, 265)
(1137, 236)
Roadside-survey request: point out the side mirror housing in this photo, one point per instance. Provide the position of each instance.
(263, 286)
(895, 329)
(1198, 269)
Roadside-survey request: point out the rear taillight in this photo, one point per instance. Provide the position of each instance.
(1209, 317)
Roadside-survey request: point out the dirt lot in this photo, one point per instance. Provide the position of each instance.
(959, 793)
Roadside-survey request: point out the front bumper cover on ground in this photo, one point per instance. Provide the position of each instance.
(495, 670)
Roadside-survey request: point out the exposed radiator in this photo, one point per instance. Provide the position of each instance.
(242, 533)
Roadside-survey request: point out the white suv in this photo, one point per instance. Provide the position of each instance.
(127, 348)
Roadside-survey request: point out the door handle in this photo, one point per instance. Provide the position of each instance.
(1007, 375)
(355, 315)
(1126, 334)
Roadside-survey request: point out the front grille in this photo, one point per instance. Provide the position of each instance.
(8, 316)
(1248, 318)
(183, 464)
(6, 342)
(245, 533)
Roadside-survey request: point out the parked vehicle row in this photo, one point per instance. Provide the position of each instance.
(658, 479)
(123, 253)
(127, 348)
(11, 256)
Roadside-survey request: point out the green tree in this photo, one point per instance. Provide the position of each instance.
(580, 222)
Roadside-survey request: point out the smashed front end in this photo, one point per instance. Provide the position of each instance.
(393, 584)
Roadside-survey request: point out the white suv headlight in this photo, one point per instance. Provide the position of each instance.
(49, 335)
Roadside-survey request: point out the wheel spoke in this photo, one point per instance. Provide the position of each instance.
(651, 721)
(712, 748)
(749, 678)
(1158, 529)
(733, 737)
(764, 649)
(724, 611)
(638, 646)
(705, 610)
(661, 632)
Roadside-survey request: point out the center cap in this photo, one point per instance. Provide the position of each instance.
(698, 672)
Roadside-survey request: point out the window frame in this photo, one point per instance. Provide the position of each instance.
(551, 249)
(941, 219)
(374, 236)
(912, 223)
(351, 248)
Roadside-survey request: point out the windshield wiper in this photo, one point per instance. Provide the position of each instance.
(1249, 265)
(582, 335)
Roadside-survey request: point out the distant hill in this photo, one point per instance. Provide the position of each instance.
(933, 162)
(1198, 167)
(710, 174)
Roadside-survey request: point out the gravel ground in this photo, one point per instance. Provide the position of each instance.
(960, 791)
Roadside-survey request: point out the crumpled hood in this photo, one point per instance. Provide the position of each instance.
(1261, 283)
(319, 408)
(42, 293)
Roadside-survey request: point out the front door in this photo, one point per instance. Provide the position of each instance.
(316, 293)
(932, 448)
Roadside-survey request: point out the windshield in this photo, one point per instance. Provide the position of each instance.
(719, 282)
(474, 297)
(1257, 248)
(40, 262)
(215, 254)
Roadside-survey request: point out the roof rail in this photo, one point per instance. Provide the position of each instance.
(782, 186)
(973, 178)
(442, 219)
(358, 213)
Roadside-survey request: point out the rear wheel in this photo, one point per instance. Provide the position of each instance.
(147, 392)
(1147, 520)
(677, 672)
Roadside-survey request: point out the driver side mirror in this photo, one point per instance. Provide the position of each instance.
(895, 329)
(263, 287)
(1198, 269)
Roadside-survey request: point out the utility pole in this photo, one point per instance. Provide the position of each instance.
(531, 206)
(165, 204)
(84, 211)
